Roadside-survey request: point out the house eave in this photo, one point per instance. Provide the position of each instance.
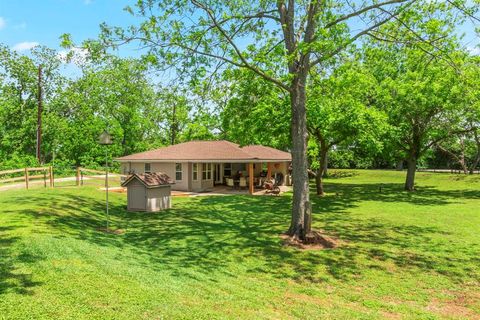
(202, 160)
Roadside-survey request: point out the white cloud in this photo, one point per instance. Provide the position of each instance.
(77, 56)
(23, 46)
(3, 23)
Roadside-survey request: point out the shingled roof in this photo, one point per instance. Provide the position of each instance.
(209, 151)
(150, 180)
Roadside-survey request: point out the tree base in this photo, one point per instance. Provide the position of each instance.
(314, 240)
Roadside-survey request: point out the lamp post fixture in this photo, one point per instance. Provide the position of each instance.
(106, 139)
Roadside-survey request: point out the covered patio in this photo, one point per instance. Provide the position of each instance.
(200, 166)
(222, 190)
(250, 176)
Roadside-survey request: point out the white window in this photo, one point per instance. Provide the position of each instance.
(195, 171)
(148, 168)
(207, 171)
(178, 171)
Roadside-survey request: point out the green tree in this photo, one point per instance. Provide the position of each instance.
(114, 95)
(19, 96)
(421, 93)
(248, 34)
(464, 147)
(175, 108)
(341, 112)
(257, 111)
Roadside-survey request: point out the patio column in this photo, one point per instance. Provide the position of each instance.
(250, 178)
(269, 170)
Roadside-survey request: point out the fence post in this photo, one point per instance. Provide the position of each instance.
(50, 176)
(26, 178)
(44, 178)
(78, 176)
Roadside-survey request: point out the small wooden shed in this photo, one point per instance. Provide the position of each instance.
(149, 192)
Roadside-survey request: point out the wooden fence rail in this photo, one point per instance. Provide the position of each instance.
(47, 173)
(11, 171)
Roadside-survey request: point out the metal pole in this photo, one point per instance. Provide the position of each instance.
(106, 179)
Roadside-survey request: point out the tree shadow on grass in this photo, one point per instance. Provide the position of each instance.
(208, 235)
(350, 194)
(11, 279)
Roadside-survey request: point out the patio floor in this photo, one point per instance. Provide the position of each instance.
(224, 190)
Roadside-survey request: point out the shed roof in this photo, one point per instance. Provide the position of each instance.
(210, 150)
(150, 180)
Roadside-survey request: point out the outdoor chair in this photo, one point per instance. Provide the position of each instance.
(243, 183)
(230, 183)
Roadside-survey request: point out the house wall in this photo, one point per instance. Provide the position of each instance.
(158, 199)
(166, 167)
(207, 184)
(187, 183)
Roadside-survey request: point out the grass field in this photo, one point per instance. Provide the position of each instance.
(404, 255)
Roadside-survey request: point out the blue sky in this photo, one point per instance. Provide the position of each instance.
(24, 23)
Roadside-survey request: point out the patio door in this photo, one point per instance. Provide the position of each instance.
(217, 173)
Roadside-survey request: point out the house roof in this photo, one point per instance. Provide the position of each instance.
(210, 151)
(150, 180)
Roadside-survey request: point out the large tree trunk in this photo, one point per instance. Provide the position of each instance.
(411, 169)
(301, 209)
(322, 169)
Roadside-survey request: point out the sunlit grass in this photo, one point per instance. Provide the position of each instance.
(410, 255)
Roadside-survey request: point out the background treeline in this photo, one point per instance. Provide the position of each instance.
(386, 105)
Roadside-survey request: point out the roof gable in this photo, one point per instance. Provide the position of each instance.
(150, 180)
(209, 150)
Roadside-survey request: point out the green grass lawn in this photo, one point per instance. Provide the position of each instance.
(404, 255)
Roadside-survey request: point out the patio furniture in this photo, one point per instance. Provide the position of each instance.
(259, 182)
(271, 187)
(242, 183)
(230, 183)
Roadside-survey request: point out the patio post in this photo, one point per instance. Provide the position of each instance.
(250, 178)
(269, 170)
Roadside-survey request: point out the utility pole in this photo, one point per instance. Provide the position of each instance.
(39, 115)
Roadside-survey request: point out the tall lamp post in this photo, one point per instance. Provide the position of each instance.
(106, 139)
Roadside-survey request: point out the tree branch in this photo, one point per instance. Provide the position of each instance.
(361, 11)
(360, 34)
(239, 54)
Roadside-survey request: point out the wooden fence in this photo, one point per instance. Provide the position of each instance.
(28, 175)
(46, 173)
(90, 174)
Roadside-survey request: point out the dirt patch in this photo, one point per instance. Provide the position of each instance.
(315, 240)
(456, 307)
(451, 309)
(111, 231)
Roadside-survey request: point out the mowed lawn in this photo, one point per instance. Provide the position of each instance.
(403, 255)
